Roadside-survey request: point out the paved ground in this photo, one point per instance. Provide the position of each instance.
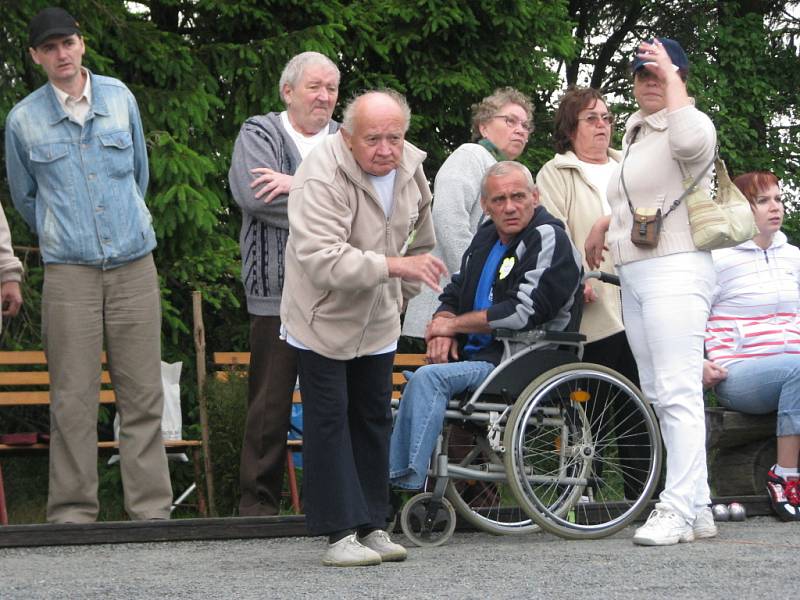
(753, 559)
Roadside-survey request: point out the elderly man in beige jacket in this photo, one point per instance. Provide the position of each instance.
(360, 233)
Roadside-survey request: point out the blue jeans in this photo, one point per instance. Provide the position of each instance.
(763, 385)
(421, 415)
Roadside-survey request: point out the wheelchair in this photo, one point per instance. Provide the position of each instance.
(546, 442)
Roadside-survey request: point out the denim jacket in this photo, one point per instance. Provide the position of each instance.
(81, 189)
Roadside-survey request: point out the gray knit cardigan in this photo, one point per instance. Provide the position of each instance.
(263, 142)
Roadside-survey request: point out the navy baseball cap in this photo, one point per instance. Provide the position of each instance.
(673, 48)
(51, 22)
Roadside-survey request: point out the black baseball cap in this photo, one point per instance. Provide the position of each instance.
(673, 48)
(51, 22)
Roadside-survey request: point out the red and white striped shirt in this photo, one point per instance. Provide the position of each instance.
(754, 311)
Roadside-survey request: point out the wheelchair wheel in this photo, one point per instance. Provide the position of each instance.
(426, 525)
(488, 505)
(583, 451)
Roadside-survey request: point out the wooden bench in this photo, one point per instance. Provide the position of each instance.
(742, 449)
(228, 364)
(24, 381)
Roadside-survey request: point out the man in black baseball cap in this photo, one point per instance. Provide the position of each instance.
(77, 167)
(51, 22)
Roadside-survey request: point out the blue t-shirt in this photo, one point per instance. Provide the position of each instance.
(483, 297)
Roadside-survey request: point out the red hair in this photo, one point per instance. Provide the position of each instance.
(754, 182)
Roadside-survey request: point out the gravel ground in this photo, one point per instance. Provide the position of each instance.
(747, 560)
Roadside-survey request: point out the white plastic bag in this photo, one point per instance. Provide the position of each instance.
(171, 421)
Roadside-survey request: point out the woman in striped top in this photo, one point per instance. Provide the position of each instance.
(753, 334)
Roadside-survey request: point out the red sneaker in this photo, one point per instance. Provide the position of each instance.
(784, 496)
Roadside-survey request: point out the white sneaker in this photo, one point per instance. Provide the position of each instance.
(664, 527)
(704, 526)
(349, 552)
(380, 542)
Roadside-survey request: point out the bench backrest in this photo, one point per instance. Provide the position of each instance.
(24, 379)
(227, 364)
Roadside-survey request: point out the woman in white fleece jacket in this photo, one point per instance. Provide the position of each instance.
(666, 289)
(753, 338)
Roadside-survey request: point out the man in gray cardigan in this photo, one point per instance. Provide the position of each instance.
(266, 155)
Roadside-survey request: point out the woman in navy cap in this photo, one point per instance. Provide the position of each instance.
(666, 282)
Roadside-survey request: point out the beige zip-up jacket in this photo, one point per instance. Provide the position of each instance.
(338, 298)
(10, 265)
(668, 143)
(569, 196)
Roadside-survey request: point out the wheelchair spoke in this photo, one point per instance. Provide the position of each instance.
(486, 501)
(583, 452)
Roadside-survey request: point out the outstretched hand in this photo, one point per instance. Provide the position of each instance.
(421, 267)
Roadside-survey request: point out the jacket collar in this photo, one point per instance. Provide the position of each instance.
(570, 160)
(412, 159)
(778, 240)
(56, 111)
(657, 121)
(487, 232)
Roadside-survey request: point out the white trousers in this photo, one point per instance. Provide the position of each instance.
(665, 305)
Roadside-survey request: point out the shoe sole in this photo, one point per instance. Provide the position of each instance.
(357, 563)
(678, 539)
(705, 533)
(395, 557)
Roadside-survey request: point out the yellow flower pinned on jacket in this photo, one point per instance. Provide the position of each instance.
(506, 267)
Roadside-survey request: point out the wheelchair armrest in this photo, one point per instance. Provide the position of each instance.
(538, 335)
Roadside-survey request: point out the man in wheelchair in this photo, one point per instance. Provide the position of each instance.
(520, 272)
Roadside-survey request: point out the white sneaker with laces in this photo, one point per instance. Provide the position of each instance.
(664, 527)
(380, 542)
(349, 552)
(704, 526)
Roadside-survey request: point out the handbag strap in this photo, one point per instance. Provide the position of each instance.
(685, 193)
(622, 166)
(690, 189)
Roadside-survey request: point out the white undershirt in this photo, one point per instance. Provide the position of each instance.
(305, 143)
(599, 175)
(384, 185)
(76, 108)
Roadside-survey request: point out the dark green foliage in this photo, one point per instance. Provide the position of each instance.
(227, 407)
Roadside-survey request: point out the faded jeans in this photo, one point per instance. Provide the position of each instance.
(421, 416)
(665, 303)
(760, 386)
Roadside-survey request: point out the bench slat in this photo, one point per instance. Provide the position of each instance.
(29, 357)
(36, 378)
(43, 398)
(242, 359)
(106, 445)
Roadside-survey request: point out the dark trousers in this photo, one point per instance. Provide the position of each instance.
(271, 380)
(615, 353)
(347, 422)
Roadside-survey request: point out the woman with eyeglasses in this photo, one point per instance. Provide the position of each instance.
(572, 186)
(753, 338)
(666, 282)
(501, 124)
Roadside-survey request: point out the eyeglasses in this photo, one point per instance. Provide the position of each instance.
(513, 122)
(594, 118)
